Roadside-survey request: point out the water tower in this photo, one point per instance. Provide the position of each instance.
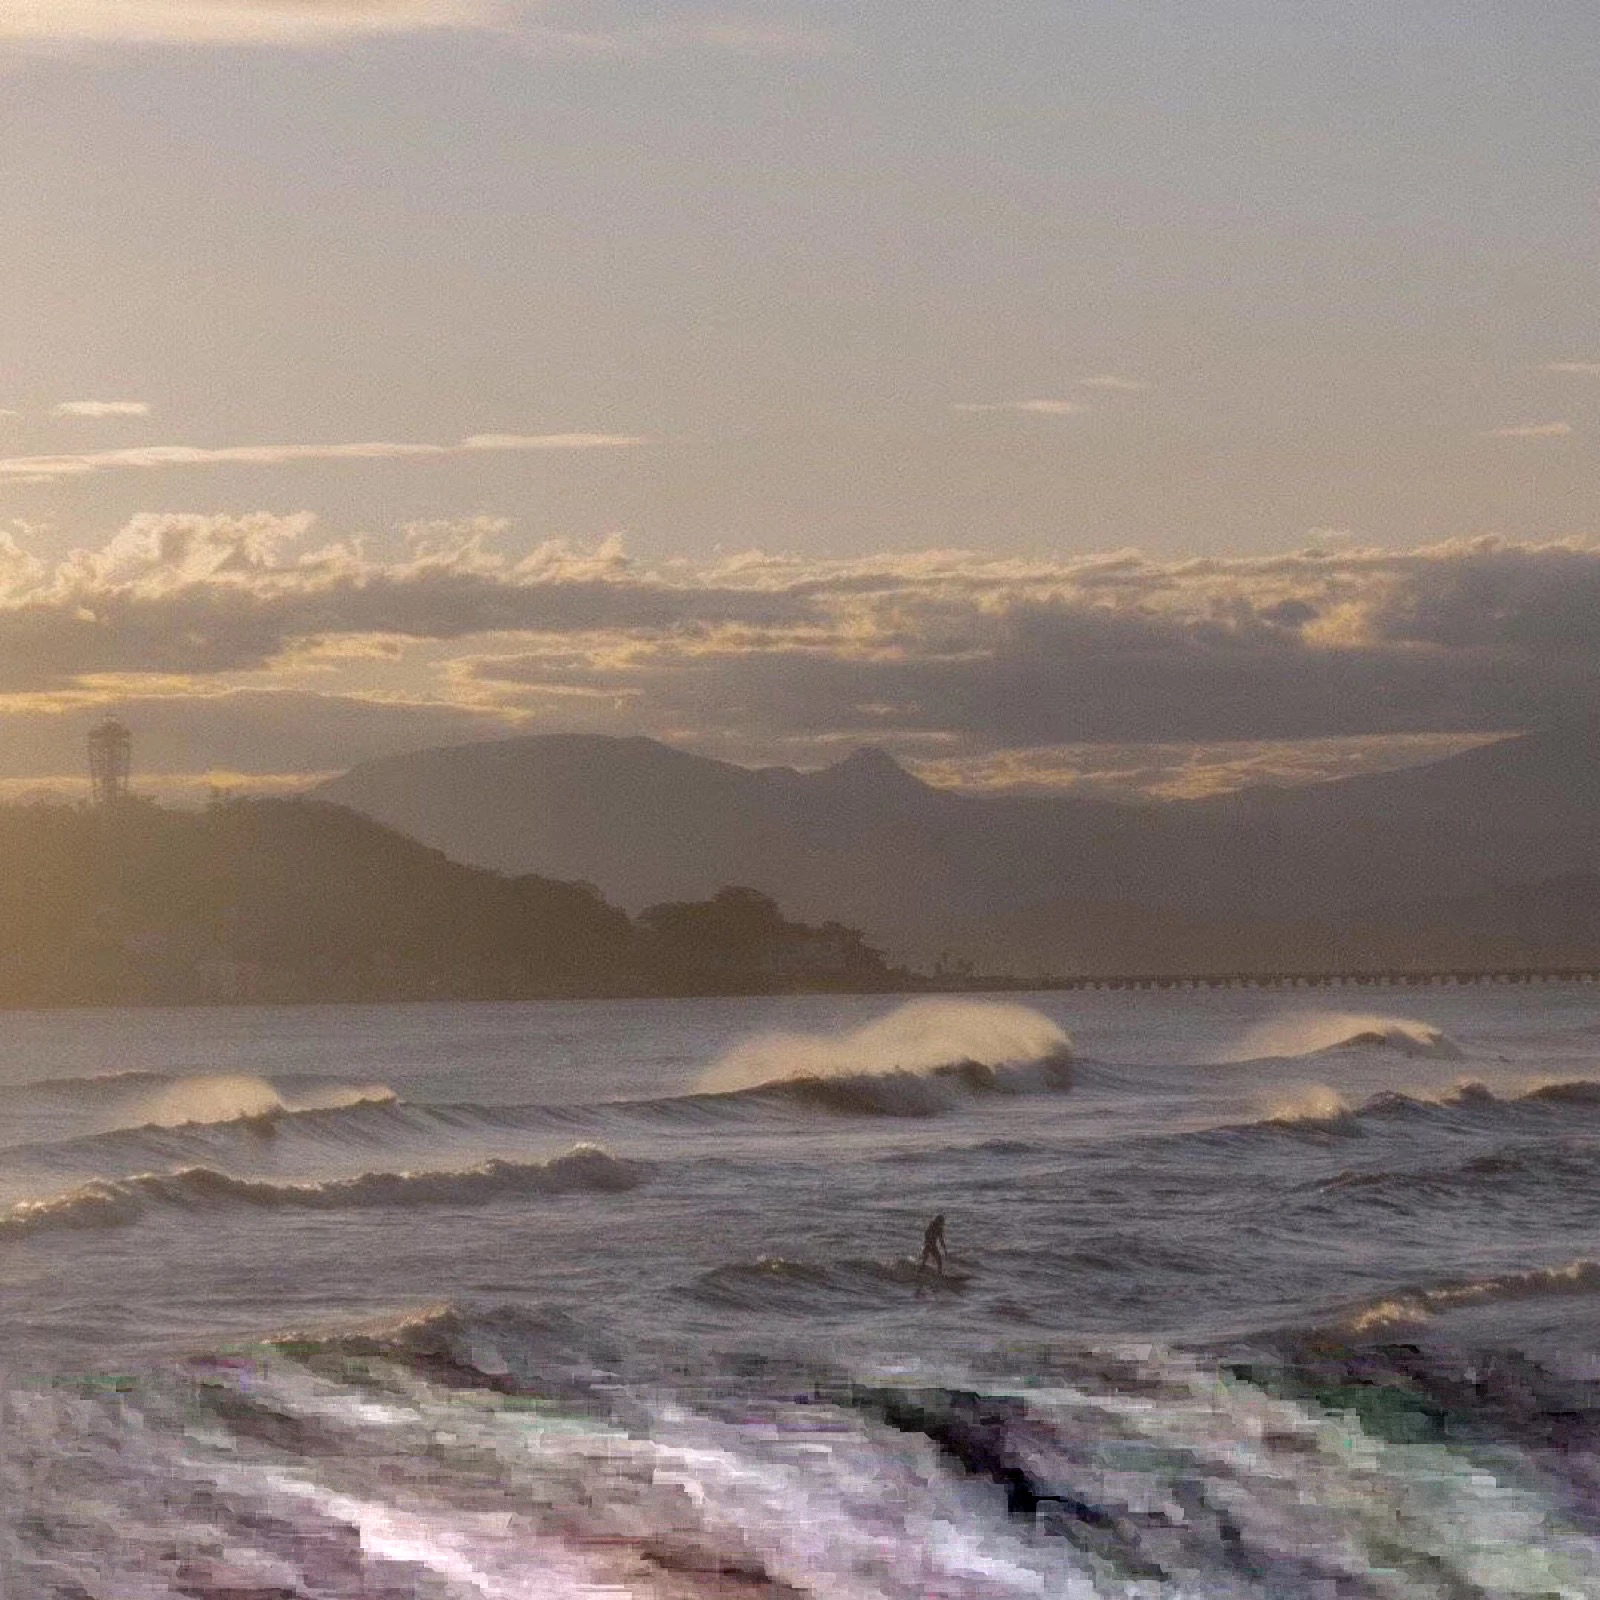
(110, 761)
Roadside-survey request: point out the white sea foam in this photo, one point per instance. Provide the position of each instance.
(1311, 1103)
(919, 1038)
(1312, 1033)
(225, 1097)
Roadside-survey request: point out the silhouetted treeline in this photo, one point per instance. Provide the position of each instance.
(300, 900)
(719, 945)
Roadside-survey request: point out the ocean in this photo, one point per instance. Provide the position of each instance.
(1250, 1294)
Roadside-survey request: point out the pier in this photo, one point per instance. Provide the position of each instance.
(1461, 978)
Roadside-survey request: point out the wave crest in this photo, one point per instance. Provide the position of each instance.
(918, 1059)
(1422, 1303)
(233, 1097)
(112, 1202)
(914, 1094)
(1317, 1109)
(1320, 1032)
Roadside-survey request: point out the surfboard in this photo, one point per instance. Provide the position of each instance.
(950, 1283)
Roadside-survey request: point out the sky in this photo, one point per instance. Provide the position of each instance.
(1129, 396)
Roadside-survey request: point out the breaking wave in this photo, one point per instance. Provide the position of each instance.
(123, 1106)
(1420, 1304)
(1317, 1110)
(923, 1057)
(1315, 1106)
(112, 1202)
(913, 1094)
(383, 1121)
(170, 1099)
(370, 1116)
(1317, 1033)
(376, 1120)
(228, 1097)
(919, 1037)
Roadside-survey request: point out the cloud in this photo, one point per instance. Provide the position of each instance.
(1185, 771)
(1107, 380)
(234, 22)
(994, 655)
(44, 469)
(1533, 430)
(321, 22)
(1584, 369)
(549, 441)
(1039, 408)
(201, 596)
(973, 660)
(102, 408)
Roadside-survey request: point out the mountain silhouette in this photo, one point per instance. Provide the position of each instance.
(921, 869)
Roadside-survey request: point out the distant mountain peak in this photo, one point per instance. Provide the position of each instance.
(870, 766)
(869, 758)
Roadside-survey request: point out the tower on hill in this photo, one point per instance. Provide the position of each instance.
(110, 762)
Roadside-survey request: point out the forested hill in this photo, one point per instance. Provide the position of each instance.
(262, 899)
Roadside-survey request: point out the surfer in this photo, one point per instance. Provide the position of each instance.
(933, 1246)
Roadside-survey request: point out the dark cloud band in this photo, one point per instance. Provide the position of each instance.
(981, 653)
